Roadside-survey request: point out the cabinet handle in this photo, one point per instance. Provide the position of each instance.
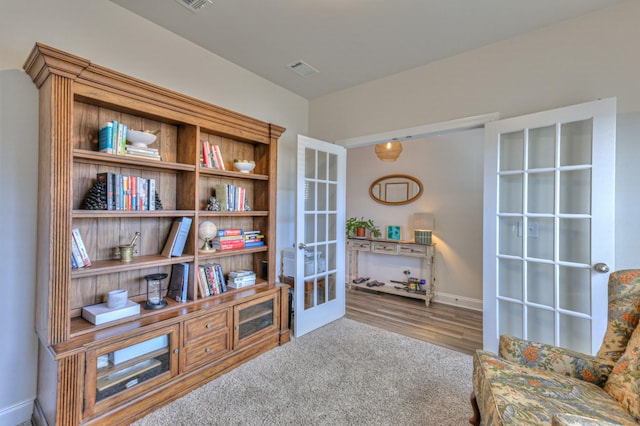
(207, 350)
(175, 351)
(208, 325)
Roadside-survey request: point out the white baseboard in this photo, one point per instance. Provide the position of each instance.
(452, 299)
(17, 413)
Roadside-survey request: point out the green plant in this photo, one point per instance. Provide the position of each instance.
(353, 223)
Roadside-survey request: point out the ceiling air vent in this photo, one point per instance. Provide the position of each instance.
(194, 5)
(302, 68)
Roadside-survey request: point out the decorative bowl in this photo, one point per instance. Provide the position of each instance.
(141, 138)
(244, 166)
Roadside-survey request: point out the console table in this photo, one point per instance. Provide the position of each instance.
(426, 254)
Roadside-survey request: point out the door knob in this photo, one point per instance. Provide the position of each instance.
(302, 246)
(601, 267)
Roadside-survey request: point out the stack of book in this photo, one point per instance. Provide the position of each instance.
(211, 280)
(142, 152)
(228, 239)
(240, 279)
(253, 239)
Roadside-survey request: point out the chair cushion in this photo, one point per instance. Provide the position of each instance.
(513, 394)
(623, 383)
(624, 313)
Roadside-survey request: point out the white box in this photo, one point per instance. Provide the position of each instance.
(99, 314)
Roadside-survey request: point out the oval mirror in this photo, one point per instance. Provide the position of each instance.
(395, 189)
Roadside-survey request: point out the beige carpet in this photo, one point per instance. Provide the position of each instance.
(345, 373)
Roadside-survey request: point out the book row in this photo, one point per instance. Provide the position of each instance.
(112, 138)
(232, 198)
(79, 255)
(129, 193)
(210, 156)
(211, 280)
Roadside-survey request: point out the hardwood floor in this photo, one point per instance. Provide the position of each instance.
(449, 326)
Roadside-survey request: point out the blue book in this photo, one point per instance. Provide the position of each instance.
(181, 238)
(105, 139)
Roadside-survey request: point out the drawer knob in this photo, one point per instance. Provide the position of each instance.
(208, 325)
(175, 351)
(207, 350)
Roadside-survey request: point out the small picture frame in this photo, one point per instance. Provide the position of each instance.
(393, 232)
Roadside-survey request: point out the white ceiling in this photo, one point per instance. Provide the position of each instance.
(351, 41)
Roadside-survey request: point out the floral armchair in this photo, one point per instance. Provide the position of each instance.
(530, 383)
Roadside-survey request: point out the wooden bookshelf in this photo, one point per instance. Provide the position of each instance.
(77, 98)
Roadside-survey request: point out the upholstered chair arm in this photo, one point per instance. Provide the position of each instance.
(552, 358)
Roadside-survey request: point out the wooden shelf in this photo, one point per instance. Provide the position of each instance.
(256, 213)
(102, 267)
(232, 174)
(137, 162)
(97, 214)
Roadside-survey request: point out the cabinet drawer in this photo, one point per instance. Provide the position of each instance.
(361, 245)
(412, 250)
(207, 349)
(206, 325)
(382, 247)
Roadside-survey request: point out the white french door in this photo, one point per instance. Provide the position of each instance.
(549, 225)
(320, 238)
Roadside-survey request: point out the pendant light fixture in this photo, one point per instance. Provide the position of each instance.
(389, 151)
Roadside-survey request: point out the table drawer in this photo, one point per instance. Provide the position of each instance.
(416, 250)
(360, 245)
(208, 348)
(206, 324)
(383, 247)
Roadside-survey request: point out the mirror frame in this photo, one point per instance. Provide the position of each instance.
(396, 203)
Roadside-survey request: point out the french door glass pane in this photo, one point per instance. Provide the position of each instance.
(510, 241)
(575, 143)
(512, 151)
(575, 191)
(332, 226)
(309, 228)
(511, 193)
(541, 193)
(574, 240)
(333, 167)
(575, 289)
(540, 238)
(540, 283)
(322, 196)
(333, 196)
(510, 321)
(510, 278)
(310, 195)
(310, 163)
(322, 228)
(575, 333)
(541, 147)
(332, 258)
(331, 287)
(540, 325)
(322, 165)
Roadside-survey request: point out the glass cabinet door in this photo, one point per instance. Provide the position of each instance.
(125, 369)
(255, 319)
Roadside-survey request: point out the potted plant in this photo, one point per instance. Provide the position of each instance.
(358, 227)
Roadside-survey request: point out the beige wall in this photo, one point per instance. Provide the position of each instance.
(579, 60)
(110, 36)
